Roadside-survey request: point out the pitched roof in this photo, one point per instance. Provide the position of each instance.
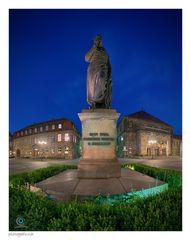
(146, 116)
(67, 124)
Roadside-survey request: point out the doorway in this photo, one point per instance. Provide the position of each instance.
(156, 151)
(164, 152)
(18, 153)
(148, 152)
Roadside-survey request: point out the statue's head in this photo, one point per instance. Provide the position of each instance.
(98, 40)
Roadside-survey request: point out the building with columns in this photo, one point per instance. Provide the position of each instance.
(141, 134)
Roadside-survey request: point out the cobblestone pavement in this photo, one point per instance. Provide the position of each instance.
(25, 165)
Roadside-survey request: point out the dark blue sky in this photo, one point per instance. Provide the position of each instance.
(48, 70)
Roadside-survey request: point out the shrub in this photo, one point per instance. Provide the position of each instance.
(37, 175)
(157, 213)
(172, 177)
(162, 212)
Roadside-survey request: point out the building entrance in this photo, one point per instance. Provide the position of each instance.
(164, 152)
(18, 153)
(156, 152)
(148, 152)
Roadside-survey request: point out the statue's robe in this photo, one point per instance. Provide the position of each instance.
(98, 78)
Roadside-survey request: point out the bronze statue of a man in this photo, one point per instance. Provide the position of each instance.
(99, 83)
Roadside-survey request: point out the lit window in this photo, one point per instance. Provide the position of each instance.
(59, 137)
(52, 151)
(59, 125)
(152, 141)
(41, 129)
(59, 150)
(53, 126)
(66, 150)
(124, 148)
(66, 137)
(35, 130)
(121, 138)
(46, 127)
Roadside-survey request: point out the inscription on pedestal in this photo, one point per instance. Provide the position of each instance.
(99, 139)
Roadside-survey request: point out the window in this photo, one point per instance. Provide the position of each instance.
(18, 134)
(35, 130)
(66, 137)
(52, 151)
(30, 131)
(59, 150)
(22, 133)
(59, 137)
(66, 150)
(60, 126)
(41, 129)
(46, 127)
(52, 139)
(74, 139)
(53, 126)
(130, 124)
(25, 132)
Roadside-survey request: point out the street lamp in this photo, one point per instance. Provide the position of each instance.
(42, 142)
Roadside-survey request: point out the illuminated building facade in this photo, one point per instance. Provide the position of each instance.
(141, 134)
(177, 145)
(51, 139)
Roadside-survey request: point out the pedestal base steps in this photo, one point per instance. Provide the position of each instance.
(66, 186)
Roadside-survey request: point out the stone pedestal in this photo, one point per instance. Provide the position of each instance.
(99, 136)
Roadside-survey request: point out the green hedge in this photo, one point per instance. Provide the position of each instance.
(162, 212)
(38, 175)
(158, 213)
(172, 177)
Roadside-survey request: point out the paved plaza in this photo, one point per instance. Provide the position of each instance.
(18, 165)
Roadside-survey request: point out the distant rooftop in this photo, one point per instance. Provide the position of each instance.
(146, 116)
(46, 122)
